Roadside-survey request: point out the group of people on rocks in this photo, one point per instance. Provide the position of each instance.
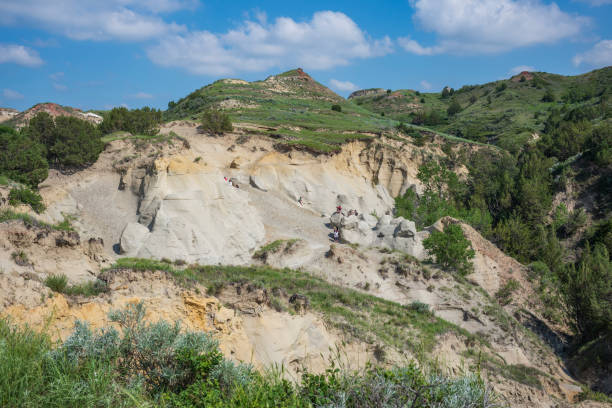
(336, 233)
(350, 212)
(231, 182)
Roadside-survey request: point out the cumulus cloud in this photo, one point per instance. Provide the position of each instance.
(18, 54)
(342, 86)
(490, 26)
(425, 85)
(328, 40)
(126, 20)
(598, 56)
(414, 47)
(56, 76)
(141, 95)
(10, 94)
(520, 68)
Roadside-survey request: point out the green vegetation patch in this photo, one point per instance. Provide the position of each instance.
(159, 364)
(289, 99)
(451, 249)
(362, 316)
(138, 121)
(520, 373)
(273, 247)
(316, 141)
(505, 112)
(8, 215)
(24, 195)
(59, 283)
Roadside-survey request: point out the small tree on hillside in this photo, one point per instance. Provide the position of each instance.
(453, 108)
(451, 249)
(216, 122)
(549, 96)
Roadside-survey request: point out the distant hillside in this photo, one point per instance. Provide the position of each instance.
(7, 114)
(506, 112)
(292, 98)
(53, 109)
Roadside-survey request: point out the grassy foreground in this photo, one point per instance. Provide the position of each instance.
(146, 365)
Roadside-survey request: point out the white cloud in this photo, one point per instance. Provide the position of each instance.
(56, 76)
(520, 68)
(414, 47)
(141, 95)
(598, 56)
(40, 43)
(342, 86)
(18, 54)
(425, 85)
(328, 40)
(490, 26)
(127, 20)
(10, 94)
(60, 87)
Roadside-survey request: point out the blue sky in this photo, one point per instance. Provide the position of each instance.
(98, 54)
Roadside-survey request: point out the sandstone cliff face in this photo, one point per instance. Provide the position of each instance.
(192, 213)
(172, 201)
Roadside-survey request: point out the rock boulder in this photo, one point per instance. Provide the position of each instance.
(132, 238)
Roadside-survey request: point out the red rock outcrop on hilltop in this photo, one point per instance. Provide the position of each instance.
(53, 109)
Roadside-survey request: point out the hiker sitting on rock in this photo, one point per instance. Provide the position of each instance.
(300, 202)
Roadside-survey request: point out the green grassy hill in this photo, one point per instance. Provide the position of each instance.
(505, 112)
(297, 109)
(292, 98)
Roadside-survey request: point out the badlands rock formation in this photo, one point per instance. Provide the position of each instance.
(190, 212)
(393, 233)
(172, 201)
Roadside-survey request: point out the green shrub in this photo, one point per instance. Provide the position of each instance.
(453, 108)
(90, 288)
(588, 285)
(69, 141)
(420, 307)
(501, 87)
(20, 258)
(26, 196)
(451, 249)
(57, 283)
(22, 158)
(216, 122)
(77, 142)
(336, 108)
(504, 294)
(143, 121)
